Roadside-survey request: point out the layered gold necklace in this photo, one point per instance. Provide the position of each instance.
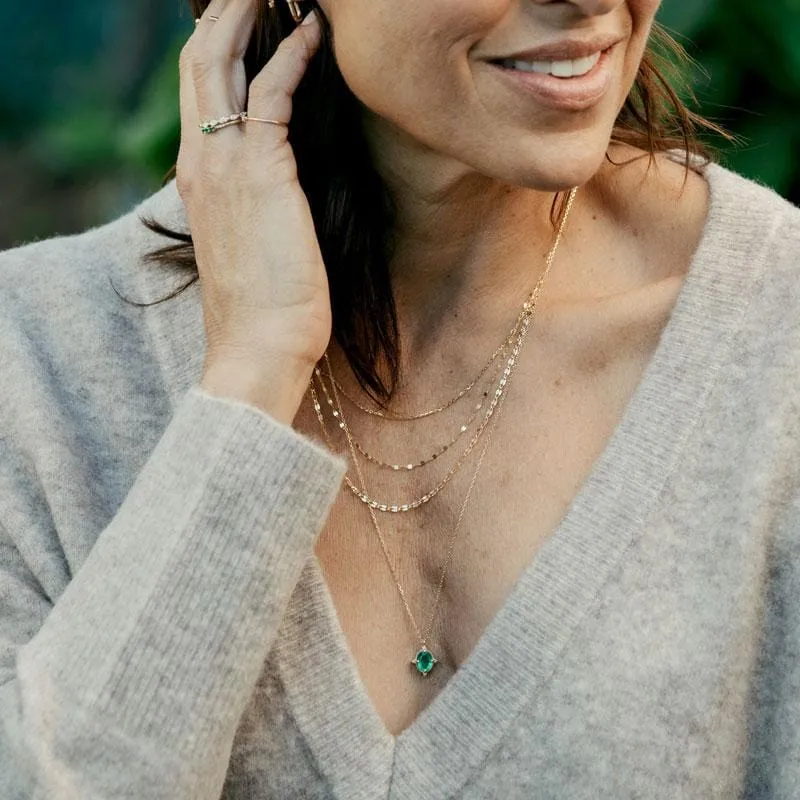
(495, 394)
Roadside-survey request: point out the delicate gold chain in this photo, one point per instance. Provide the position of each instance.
(409, 466)
(406, 467)
(423, 635)
(528, 310)
(396, 508)
(391, 416)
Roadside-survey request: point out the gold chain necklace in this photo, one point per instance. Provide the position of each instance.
(391, 416)
(528, 310)
(407, 467)
(396, 508)
(424, 660)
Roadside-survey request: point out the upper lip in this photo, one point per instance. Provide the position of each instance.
(564, 51)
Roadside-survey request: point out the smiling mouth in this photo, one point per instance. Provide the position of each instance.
(563, 84)
(562, 68)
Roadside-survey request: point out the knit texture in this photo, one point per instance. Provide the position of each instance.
(166, 630)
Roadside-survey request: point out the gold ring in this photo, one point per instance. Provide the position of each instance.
(248, 118)
(214, 125)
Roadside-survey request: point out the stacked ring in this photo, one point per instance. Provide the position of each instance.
(214, 125)
(236, 119)
(268, 121)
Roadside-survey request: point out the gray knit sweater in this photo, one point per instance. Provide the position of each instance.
(166, 631)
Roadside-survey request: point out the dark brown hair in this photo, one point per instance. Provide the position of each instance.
(352, 210)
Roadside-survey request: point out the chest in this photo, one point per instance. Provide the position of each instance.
(558, 417)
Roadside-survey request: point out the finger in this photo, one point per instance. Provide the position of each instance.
(232, 33)
(272, 89)
(191, 135)
(219, 73)
(190, 118)
(209, 18)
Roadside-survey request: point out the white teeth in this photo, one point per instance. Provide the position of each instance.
(561, 69)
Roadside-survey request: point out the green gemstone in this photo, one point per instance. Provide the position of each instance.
(424, 661)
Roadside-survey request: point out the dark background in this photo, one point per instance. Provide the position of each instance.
(89, 118)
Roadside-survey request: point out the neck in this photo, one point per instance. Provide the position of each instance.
(467, 254)
(464, 240)
(459, 236)
(468, 249)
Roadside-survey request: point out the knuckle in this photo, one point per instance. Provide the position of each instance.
(201, 67)
(298, 48)
(186, 58)
(183, 181)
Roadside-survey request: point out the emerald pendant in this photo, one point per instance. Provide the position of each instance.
(424, 661)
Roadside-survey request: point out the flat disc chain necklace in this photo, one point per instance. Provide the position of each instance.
(528, 308)
(393, 416)
(408, 467)
(424, 660)
(395, 508)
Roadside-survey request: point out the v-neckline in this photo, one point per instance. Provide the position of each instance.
(519, 649)
(439, 752)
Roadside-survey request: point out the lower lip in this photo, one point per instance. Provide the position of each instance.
(565, 94)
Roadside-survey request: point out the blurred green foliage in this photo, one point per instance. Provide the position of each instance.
(89, 124)
(747, 77)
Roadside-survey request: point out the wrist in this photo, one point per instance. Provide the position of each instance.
(276, 386)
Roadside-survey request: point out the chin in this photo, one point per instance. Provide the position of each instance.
(554, 168)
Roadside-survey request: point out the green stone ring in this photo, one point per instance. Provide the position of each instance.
(424, 661)
(213, 125)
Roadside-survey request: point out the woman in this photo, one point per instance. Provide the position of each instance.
(330, 522)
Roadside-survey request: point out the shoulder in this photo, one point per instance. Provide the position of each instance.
(752, 210)
(745, 214)
(678, 211)
(751, 223)
(738, 240)
(63, 274)
(72, 326)
(660, 192)
(63, 300)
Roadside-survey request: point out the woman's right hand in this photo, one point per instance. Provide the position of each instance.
(265, 296)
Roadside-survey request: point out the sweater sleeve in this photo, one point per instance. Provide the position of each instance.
(774, 748)
(132, 684)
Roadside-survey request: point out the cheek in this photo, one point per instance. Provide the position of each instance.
(642, 15)
(645, 9)
(401, 55)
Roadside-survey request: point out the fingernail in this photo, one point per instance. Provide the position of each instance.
(312, 15)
